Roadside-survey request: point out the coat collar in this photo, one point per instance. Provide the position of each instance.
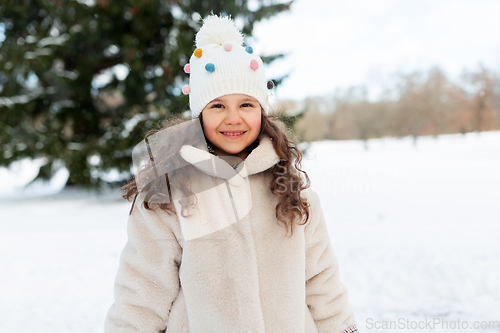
(260, 159)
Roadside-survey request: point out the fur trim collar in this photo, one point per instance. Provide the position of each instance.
(260, 159)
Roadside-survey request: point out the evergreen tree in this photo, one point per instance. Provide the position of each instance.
(81, 82)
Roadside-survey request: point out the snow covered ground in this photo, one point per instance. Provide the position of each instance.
(416, 232)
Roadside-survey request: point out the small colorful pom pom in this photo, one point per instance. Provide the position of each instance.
(210, 67)
(270, 84)
(185, 89)
(249, 49)
(198, 52)
(228, 47)
(254, 64)
(187, 69)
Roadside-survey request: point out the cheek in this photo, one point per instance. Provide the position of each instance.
(254, 122)
(209, 127)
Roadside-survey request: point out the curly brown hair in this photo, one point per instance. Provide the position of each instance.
(291, 208)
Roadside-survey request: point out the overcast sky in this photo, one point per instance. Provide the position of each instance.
(334, 43)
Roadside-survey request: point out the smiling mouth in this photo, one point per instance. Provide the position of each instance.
(234, 133)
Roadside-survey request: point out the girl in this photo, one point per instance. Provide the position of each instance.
(206, 249)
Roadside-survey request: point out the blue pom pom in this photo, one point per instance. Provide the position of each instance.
(249, 49)
(210, 67)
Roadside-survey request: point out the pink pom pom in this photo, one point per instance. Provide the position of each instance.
(254, 64)
(186, 90)
(187, 69)
(228, 47)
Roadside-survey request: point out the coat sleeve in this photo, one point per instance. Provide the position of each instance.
(326, 295)
(147, 281)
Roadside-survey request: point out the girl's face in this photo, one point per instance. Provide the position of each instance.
(232, 123)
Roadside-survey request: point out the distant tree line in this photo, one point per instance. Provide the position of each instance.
(416, 104)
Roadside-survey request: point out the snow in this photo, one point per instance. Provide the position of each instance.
(21, 99)
(57, 40)
(415, 230)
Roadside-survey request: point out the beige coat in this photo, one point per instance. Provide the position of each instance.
(229, 267)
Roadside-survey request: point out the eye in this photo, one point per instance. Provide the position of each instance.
(247, 105)
(217, 106)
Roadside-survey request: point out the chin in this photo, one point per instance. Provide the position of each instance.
(233, 152)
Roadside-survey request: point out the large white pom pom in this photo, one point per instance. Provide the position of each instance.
(217, 30)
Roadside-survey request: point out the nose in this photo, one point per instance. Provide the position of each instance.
(233, 116)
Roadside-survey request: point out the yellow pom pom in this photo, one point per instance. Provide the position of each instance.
(198, 52)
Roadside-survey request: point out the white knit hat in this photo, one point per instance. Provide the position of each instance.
(220, 66)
